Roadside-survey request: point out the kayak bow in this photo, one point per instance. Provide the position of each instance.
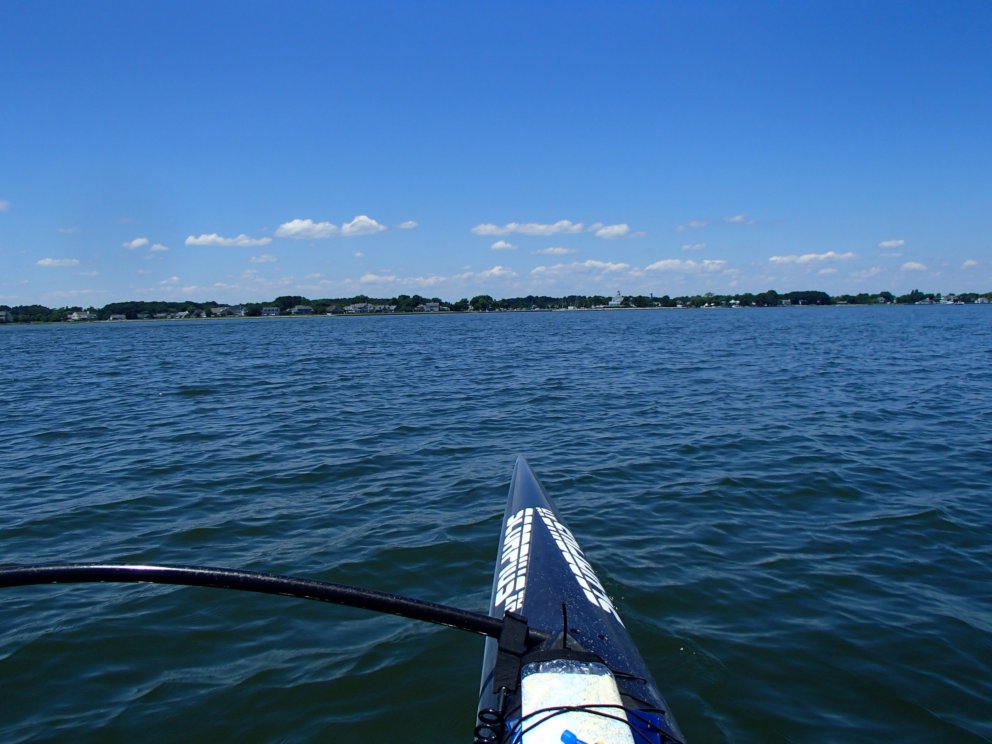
(587, 682)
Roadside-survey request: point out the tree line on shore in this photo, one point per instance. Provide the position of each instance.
(485, 303)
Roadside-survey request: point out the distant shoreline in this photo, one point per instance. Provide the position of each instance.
(361, 305)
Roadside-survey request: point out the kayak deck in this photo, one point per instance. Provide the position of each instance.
(587, 682)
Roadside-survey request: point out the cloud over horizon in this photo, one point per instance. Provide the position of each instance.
(299, 229)
(215, 239)
(53, 262)
(813, 257)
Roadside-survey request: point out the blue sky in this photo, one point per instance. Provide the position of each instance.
(237, 151)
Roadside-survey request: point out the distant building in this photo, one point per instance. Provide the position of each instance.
(617, 301)
(430, 307)
(78, 315)
(270, 310)
(301, 310)
(365, 307)
(118, 316)
(6, 317)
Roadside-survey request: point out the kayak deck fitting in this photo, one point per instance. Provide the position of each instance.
(586, 682)
(558, 666)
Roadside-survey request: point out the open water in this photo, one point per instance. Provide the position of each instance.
(790, 507)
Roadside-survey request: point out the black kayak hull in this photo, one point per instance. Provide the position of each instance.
(542, 574)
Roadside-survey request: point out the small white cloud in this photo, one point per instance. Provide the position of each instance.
(495, 272)
(739, 219)
(892, 244)
(359, 254)
(53, 262)
(611, 232)
(263, 259)
(502, 245)
(136, 243)
(172, 280)
(693, 246)
(408, 225)
(370, 278)
(580, 267)
(970, 263)
(68, 230)
(675, 264)
(215, 239)
(158, 248)
(826, 272)
(913, 266)
(692, 225)
(361, 225)
(867, 273)
(89, 273)
(306, 230)
(530, 228)
(555, 251)
(4, 205)
(811, 257)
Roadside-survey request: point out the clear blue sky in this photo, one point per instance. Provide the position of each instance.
(237, 151)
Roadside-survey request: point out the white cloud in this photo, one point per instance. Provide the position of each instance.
(692, 225)
(739, 219)
(4, 205)
(361, 225)
(172, 280)
(867, 273)
(580, 266)
(59, 262)
(555, 251)
(264, 258)
(68, 230)
(408, 225)
(496, 271)
(530, 228)
(811, 257)
(913, 266)
(610, 232)
(359, 254)
(970, 263)
(675, 264)
(892, 244)
(826, 272)
(215, 239)
(693, 246)
(306, 230)
(502, 245)
(136, 243)
(158, 248)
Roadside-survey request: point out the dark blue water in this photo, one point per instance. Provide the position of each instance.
(790, 508)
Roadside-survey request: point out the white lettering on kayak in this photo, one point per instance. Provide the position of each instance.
(576, 561)
(511, 583)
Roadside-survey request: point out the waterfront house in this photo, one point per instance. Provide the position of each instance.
(617, 301)
(78, 315)
(6, 317)
(270, 310)
(301, 310)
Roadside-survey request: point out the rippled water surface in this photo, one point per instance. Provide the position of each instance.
(790, 507)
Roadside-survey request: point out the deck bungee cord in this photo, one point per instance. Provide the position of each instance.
(263, 583)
